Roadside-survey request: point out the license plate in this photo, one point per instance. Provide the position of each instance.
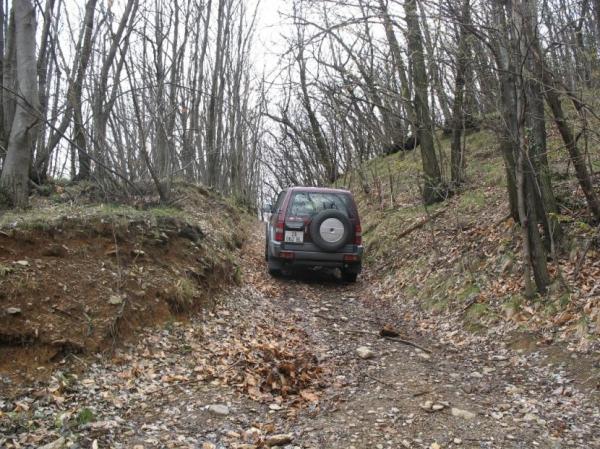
(294, 236)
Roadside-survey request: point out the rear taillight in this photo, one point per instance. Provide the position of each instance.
(357, 234)
(279, 230)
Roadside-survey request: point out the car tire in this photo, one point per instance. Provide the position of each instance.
(349, 276)
(273, 266)
(341, 230)
(267, 246)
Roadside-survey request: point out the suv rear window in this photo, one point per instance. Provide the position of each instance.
(308, 204)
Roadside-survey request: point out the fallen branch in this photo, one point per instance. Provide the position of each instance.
(421, 393)
(380, 381)
(420, 224)
(409, 343)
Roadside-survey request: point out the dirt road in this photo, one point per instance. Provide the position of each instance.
(276, 364)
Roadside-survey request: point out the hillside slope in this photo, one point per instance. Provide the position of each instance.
(461, 259)
(77, 276)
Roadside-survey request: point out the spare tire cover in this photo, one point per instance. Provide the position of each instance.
(330, 229)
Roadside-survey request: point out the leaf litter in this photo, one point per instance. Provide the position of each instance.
(274, 362)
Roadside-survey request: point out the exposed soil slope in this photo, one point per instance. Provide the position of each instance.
(80, 278)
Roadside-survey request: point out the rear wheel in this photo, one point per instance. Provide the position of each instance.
(273, 265)
(349, 276)
(274, 270)
(267, 246)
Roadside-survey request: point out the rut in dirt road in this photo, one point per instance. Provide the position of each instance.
(276, 364)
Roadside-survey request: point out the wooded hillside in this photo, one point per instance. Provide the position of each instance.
(132, 94)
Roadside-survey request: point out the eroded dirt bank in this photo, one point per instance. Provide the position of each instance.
(275, 363)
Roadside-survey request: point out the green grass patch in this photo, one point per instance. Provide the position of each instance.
(184, 292)
(512, 305)
(85, 416)
(471, 201)
(468, 292)
(477, 312)
(57, 214)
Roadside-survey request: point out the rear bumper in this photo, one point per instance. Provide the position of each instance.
(318, 258)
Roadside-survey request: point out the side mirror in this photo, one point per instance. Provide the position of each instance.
(268, 208)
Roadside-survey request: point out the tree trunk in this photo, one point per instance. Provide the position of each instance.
(103, 100)
(405, 93)
(546, 206)
(9, 81)
(74, 92)
(3, 138)
(508, 100)
(457, 157)
(14, 180)
(433, 190)
(435, 71)
(212, 156)
(529, 142)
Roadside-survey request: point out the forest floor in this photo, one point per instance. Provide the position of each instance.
(299, 362)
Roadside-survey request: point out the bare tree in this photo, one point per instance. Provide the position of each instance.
(14, 180)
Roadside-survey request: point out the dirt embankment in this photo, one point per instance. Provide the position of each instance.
(77, 279)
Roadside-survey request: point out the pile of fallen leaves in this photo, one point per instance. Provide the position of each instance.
(265, 362)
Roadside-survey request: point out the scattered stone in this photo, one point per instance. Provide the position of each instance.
(13, 311)
(430, 406)
(137, 253)
(423, 355)
(457, 441)
(279, 439)
(115, 300)
(460, 413)
(23, 263)
(435, 446)
(427, 406)
(275, 406)
(218, 409)
(365, 353)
